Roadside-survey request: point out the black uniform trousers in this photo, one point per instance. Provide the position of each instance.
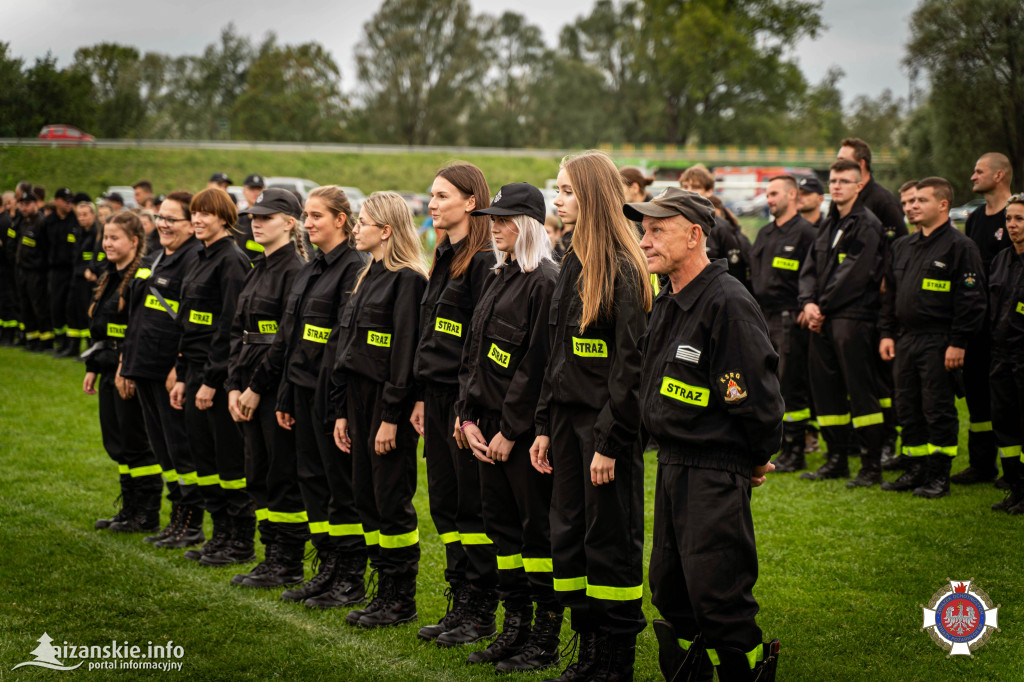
(124, 437)
(384, 485)
(35, 305)
(165, 427)
(60, 287)
(325, 481)
(703, 560)
(217, 450)
(516, 505)
(10, 307)
(1007, 383)
(264, 438)
(843, 362)
(453, 486)
(981, 441)
(791, 343)
(925, 398)
(77, 315)
(597, 532)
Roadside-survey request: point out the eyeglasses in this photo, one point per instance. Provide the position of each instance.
(841, 181)
(169, 219)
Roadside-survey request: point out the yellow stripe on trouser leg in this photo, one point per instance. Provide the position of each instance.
(262, 514)
(833, 419)
(189, 478)
(319, 527)
(171, 476)
(884, 403)
(948, 450)
(510, 562)
(474, 539)
(614, 593)
(797, 416)
(234, 484)
(287, 517)
(868, 420)
(1010, 452)
(916, 450)
(122, 468)
(569, 584)
(372, 538)
(399, 541)
(448, 538)
(338, 530)
(151, 470)
(534, 565)
(212, 479)
(979, 427)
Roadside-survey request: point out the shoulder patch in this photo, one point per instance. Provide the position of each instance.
(732, 387)
(970, 280)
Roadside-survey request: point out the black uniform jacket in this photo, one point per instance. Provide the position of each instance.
(33, 242)
(311, 312)
(62, 235)
(243, 237)
(445, 314)
(88, 248)
(1006, 304)
(507, 350)
(729, 243)
(775, 261)
(843, 270)
(9, 238)
(886, 208)
(258, 312)
(598, 369)
(988, 232)
(151, 343)
(107, 324)
(934, 285)
(208, 298)
(377, 336)
(710, 393)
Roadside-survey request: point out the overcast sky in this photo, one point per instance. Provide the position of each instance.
(864, 37)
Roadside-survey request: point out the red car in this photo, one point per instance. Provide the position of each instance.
(64, 133)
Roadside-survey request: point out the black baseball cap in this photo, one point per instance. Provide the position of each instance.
(255, 180)
(80, 197)
(518, 198)
(810, 183)
(675, 201)
(114, 196)
(64, 193)
(220, 177)
(275, 200)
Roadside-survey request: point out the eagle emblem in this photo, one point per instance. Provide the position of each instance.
(960, 617)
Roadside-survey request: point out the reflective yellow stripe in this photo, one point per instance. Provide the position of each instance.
(199, 317)
(381, 339)
(935, 285)
(615, 593)
(372, 538)
(76, 333)
(262, 514)
(569, 584)
(100, 256)
(500, 357)
(1020, 307)
(885, 402)
(212, 479)
(915, 450)
(399, 541)
(72, 239)
(254, 246)
(510, 562)
(143, 273)
(755, 655)
(1010, 452)
(116, 331)
(474, 538)
(534, 565)
(798, 416)
(448, 538)
(785, 263)
(684, 393)
(46, 336)
(980, 427)
(315, 334)
(841, 258)
(28, 241)
(154, 303)
(122, 468)
(191, 478)
(86, 255)
(344, 529)
(448, 327)
(655, 284)
(868, 420)
(171, 476)
(267, 326)
(833, 419)
(589, 348)
(319, 527)
(236, 484)
(151, 470)
(11, 233)
(942, 449)
(60, 330)
(712, 654)
(287, 517)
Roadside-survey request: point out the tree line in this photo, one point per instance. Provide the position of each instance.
(638, 71)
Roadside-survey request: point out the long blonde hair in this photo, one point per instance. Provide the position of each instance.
(402, 250)
(602, 235)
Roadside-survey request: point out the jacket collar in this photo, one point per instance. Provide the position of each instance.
(692, 291)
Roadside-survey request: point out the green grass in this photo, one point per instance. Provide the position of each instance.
(843, 573)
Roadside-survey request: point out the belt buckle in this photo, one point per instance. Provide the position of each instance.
(245, 337)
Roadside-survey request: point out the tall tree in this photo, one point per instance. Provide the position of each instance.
(420, 63)
(113, 71)
(14, 109)
(876, 120)
(57, 96)
(973, 53)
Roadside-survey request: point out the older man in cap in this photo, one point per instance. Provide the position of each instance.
(710, 398)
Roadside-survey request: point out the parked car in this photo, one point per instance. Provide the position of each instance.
(63, 134)
(960, 213)
(239, 196)
(417, 202)
(127, 194)
(301, 185)
(758, 206)
(355, 198)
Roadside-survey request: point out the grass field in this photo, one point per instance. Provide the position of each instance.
(843, 573)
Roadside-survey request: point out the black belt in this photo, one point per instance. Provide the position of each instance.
(254, 339)
(105, 344)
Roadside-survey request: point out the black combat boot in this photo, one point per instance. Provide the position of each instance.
(323, 567)
(971, 476)
(734, 665)
(145, 510)
(398, 604)
(171, 528)
(283, 570)
(240, 549)
(69, 348)
(870, 471)
(121, 503)
(347, 587)
(189, 531)
(269, 550)
(678, 664)
(374, 587)
(541, 649)
(913, 477)
(615, 660)
(836, 466)
(792, 458)
(1015, 492)
(221, 537)
(514, 633)
(589, 645)
(478, 623)
(458, 596)
(936, 484)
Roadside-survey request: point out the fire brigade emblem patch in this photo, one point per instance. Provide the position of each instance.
(960, 617)
(731, 386)
(970, 280)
